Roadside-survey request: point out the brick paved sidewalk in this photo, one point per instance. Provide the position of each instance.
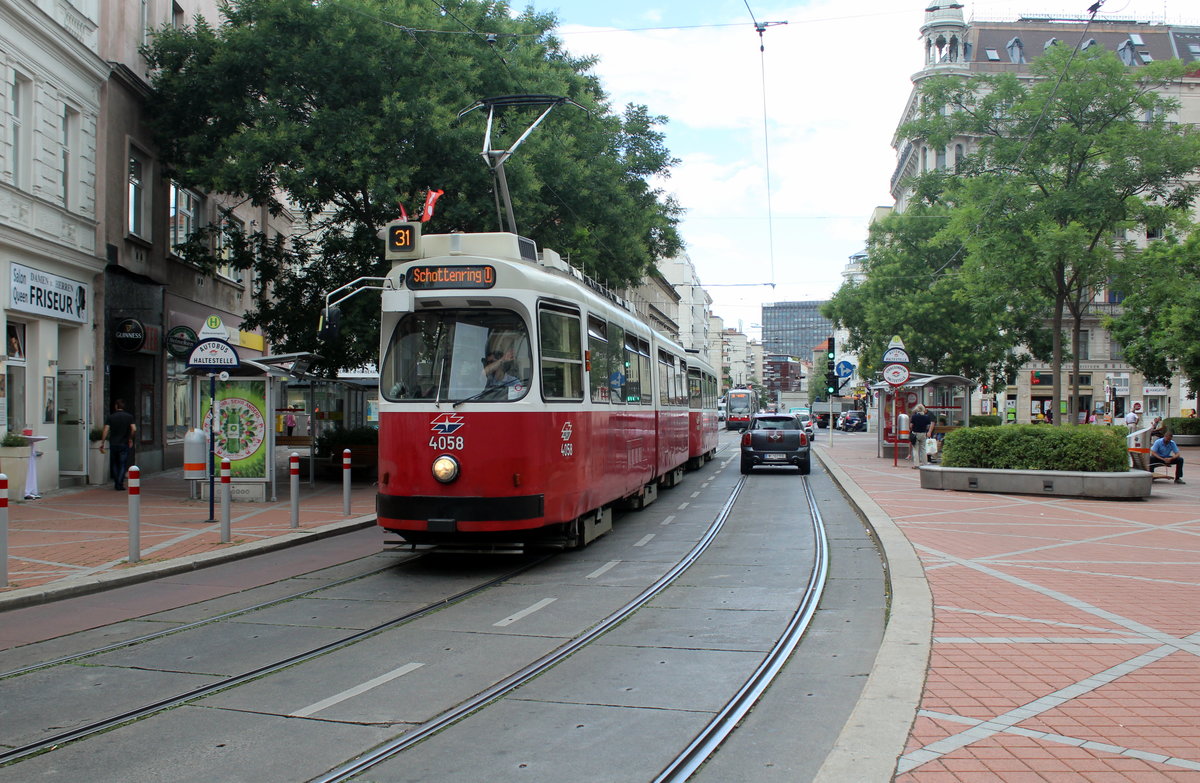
(70, 540)
(1066, 636)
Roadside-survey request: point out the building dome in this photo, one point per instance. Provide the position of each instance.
(944, 11)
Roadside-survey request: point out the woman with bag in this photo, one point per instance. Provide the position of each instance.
(921, 426)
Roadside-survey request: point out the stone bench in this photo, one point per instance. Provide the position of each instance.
(1061, 483)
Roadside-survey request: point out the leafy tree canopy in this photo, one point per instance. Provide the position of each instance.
(1157, 324)
(1058, 162)
(912, 287)
(340, 110)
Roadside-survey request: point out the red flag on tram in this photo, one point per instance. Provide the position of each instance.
(430, 199)
(403, 211)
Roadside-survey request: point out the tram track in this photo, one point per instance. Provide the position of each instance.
(19, 753)
(691, 756)
(174, 629)
(706, 742)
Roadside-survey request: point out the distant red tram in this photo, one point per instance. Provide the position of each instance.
(519, 403)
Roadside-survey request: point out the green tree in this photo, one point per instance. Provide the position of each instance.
(912, 288)
(1157, 324)
(1064, 156)
(340, 111)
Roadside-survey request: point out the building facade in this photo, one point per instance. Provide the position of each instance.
(793, 328)
(955, 47)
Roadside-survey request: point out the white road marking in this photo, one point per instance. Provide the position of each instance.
(645, 540)
(512, 618)
(356, 690)
(604, 569)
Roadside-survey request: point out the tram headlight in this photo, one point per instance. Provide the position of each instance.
(445, 468)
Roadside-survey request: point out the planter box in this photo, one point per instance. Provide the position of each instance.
(1187, 440)
(98, 471)
(1060, 483)
(14, 463)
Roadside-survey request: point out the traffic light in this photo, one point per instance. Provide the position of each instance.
(831, 378)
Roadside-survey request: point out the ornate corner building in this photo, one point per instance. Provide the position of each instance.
(954, 46)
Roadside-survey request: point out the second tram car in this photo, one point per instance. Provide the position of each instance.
(519, 403)
(740, 407)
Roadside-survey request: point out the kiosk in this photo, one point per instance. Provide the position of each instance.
(947, 398)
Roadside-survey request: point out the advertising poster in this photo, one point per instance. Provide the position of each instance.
(241, 433)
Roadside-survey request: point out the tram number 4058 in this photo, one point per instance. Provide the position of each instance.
(446, 442)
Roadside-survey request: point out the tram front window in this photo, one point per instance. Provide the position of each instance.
(457, 355)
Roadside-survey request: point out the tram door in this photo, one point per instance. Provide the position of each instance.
(70, 412)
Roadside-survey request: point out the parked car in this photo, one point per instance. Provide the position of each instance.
(808, 423)
(775, 439)
(852, 421)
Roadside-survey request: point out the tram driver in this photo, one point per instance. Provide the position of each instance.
(496, 369)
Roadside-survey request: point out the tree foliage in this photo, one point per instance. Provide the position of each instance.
(1160, 311)
(1059, 163)
(339, 111)
(912, 287)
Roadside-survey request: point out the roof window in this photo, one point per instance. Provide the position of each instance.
(1137, 39)
(994, 55)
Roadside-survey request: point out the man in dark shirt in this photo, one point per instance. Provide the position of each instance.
(921, 427)
(118, 431)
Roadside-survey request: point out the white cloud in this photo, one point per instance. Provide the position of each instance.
(837, 77)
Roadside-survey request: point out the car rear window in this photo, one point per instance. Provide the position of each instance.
(781, 423)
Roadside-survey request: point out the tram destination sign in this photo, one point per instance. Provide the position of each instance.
(429, 278)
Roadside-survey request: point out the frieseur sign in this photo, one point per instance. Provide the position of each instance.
(35, 291)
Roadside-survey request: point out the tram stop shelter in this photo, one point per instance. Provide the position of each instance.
(246, 400)
(947, 398)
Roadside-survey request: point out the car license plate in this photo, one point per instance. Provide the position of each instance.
(774, 457)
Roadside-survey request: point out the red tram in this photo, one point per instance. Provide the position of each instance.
(519, 403)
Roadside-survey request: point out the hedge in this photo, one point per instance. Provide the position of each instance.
(1084, 447)
(984, 420)
(1182, 426)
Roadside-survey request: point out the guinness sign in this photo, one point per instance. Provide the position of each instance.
(130, 335)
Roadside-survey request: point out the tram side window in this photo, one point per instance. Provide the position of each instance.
(695, 390)
(598, 358)
(668, 375)
(617, 371)
(562, 362)
(644, 364)
(633, 369)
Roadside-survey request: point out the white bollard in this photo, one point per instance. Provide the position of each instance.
(346, 482)
(3, 530)
(294, 477)
(133, 481)
(226, 492)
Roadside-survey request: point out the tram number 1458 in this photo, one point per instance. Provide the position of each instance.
(446, 442)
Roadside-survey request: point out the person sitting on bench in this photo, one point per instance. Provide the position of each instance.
(1165, 451)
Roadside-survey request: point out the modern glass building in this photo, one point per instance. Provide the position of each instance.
(794, 328)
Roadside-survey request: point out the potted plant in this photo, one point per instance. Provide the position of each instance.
(14, 463)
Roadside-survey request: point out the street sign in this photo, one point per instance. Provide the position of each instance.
(895, 356)
(844, 369)
(214, 353)
(896, 374)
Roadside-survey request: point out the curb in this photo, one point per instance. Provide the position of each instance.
(874, 736)
(70, 588)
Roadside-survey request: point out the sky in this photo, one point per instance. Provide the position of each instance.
(783, 153)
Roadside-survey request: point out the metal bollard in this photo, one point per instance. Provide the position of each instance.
(294, 477)
(133, 481)
(226, 492)
(3, 530)
(346, 482)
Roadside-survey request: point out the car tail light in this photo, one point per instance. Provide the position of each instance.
(803, 439)
(746, 438)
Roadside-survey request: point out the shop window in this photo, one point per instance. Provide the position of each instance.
(178, 400)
